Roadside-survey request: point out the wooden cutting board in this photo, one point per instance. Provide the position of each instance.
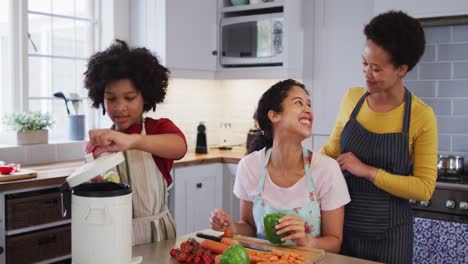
(314, 254)
(19, 175)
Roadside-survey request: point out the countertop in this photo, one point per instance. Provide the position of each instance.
(159, 252)
(50, 174)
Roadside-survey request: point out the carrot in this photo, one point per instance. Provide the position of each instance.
(213, 246)
(229, 241)
(228, 232)
(218, 259)
(254, 259)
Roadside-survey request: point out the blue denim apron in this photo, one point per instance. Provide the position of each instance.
(378, 226)
(309, 212)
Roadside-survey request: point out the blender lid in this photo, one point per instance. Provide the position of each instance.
(94, 167)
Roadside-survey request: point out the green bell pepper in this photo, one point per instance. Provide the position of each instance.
(269, 221)
(235, 254)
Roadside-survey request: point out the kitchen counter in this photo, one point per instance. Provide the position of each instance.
(159, 252)
(50, 174)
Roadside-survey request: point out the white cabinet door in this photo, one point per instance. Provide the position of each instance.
(197, 191)
(231, 204)
(423, 8)
(191, 38)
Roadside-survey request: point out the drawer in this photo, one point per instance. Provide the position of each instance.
(33, 208)
(40, 245)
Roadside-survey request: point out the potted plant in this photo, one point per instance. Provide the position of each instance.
(31, 127)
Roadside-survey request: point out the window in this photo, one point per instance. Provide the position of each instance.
(6, 104)
(61, 38)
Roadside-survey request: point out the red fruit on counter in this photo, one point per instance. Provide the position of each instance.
(174, 252)
(6, 170)
(182, 257)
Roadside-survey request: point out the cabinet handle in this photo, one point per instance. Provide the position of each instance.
(214, 52)
(199, 185)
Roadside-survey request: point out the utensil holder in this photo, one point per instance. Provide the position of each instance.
(76, 127)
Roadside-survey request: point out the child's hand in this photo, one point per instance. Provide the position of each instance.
(108, 140)
(220, 220)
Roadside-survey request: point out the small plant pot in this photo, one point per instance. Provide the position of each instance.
(32, 137)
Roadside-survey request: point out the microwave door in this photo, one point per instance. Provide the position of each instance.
(252, 40)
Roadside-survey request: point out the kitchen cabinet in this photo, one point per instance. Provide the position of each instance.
(231, 204)
(191, 37)
(197, 192)
(32, 226)
(185, 36)
(423, 8)
(182, 33)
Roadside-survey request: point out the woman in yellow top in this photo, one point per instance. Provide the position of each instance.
(385, 141)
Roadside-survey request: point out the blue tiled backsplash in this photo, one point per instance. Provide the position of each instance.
(441, 80)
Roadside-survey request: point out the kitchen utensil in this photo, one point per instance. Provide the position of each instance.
(19, 175)
(101, 214)
(75, 99)
(61, 95)
(218, 239)
(450, 164)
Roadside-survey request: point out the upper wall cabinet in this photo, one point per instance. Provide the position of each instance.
(424, 8)
(259, 39)
(191, 38)
(182, 33)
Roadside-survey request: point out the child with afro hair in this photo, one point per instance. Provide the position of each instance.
(126, 83)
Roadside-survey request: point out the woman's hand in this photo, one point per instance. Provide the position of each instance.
(348, 161)
(295, 227)
(220, 220)
(108, 140)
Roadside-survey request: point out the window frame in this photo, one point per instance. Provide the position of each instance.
(19, 18)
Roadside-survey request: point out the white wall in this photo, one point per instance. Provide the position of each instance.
(190, 101)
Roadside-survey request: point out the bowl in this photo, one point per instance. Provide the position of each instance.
(6, 170)
(239, 2)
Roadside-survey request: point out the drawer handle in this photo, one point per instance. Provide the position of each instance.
(199, 185)
(47, 240)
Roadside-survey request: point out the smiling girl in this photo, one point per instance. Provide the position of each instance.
(127, 83)
(279, 175)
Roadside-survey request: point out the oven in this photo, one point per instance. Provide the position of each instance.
(441, 224)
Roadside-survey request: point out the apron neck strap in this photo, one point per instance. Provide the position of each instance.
(407, 113)
(305, 157)
(407, 116)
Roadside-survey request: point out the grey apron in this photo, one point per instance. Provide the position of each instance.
(378, 225)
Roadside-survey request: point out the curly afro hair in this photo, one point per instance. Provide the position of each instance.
(119, 62)
(400, 35)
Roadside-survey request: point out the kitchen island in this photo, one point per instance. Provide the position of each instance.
(159, 252)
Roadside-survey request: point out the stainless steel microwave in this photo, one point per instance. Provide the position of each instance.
(249, 41)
